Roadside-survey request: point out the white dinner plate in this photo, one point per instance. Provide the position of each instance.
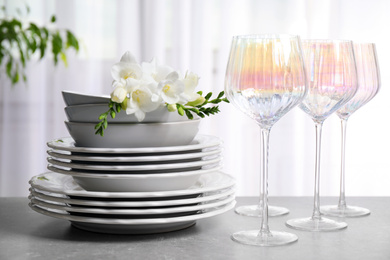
(132, 226)
(199, 142)
(107, 182)
(131, 158)
(144, 211)
(64, 184)
(128, 203)
(166, 167)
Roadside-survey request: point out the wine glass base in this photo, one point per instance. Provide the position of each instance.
(252, 237)
(255, 211)
(316, 225)
(347, 211)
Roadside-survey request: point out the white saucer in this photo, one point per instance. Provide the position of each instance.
(199, 142)
(64, 184)
(133, 158)
(139, 168)
(132, 226)
(129, 203)
(127, 211)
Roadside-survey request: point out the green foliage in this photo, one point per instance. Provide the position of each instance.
(113, 109)
(201, 110)
(188, 110)
(18, 42)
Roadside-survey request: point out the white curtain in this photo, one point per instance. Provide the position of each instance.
(196, 35)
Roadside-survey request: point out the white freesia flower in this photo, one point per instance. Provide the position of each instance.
(171, 89)
(140, 101)
(191, 82)
(120, 92)
(156, 71)
(127, 69)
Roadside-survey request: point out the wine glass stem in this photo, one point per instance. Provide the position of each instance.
(316, 211)
(264, 144)
(342, 202)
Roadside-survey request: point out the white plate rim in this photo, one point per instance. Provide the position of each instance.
(146, 211)
(133, 176)
(158, 203)
(199, 142)
(204, 187)
(150, 158)
(147, 167)
(209, 213)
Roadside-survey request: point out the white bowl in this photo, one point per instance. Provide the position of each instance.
(135, 135)
(73, 98)
(89, 113)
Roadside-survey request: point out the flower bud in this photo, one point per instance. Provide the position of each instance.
(124, 103)
(172, 107)
(118, 95)
(197, 102)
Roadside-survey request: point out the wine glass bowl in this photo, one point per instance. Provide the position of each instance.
(369, 84)
(265, 78)
(332, 77)
(265, 81)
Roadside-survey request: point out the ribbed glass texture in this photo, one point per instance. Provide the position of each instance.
(331, 70)
(368, 78)
(265, 76)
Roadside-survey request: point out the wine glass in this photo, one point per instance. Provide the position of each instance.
(332, 77)
(265, 78)
(369, 84)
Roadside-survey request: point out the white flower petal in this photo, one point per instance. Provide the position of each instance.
(140, 115)
(124, 70)
(173, 76)
(128, 57)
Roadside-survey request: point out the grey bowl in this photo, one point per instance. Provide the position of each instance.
(129, 135)
(90, 113)
(73, 98)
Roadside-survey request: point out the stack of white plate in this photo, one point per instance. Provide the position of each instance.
(133, 190)
(57, 195)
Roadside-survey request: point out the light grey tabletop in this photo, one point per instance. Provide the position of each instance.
(25, 234)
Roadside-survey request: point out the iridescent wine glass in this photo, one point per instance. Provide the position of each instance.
(265, 78)
(332, 76)
(369, 84)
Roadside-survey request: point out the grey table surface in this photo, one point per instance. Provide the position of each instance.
(25, 234)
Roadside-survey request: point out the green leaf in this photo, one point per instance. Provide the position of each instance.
(56, 46)
(180, 110)
(9, 67)
(105, 124)
(34, 29)
(208, 96)
(99, 125)
(15, 78)
(118, 107)
(63, 58)
(53, 19)
(43, 178)
(221, 94)
(189, 115)
(112, 113)
(201, 115)
(71, 41)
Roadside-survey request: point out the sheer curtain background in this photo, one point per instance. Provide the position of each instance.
(196, 35)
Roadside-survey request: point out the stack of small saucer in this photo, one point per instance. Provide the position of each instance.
(137, 190)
